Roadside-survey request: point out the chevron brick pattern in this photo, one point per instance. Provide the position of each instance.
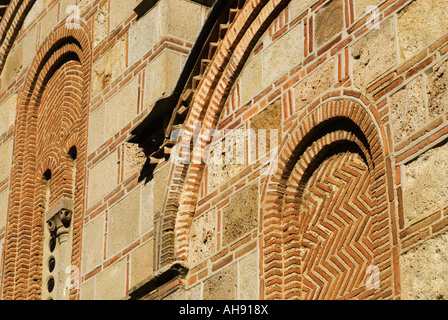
(335, 226)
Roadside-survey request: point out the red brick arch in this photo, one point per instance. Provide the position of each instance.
(208, 102)
(325, 212)
(52, 116)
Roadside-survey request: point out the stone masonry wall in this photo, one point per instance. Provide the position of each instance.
(357, 95)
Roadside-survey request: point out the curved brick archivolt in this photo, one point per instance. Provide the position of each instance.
(325, 217)
(51, 121)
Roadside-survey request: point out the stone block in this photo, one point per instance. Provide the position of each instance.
(161, 76)
(251, 79)
(437, 90)
(160, 188)
(147, 210)
(111, 64)
(374, 54)
(97, 130)
(121, 10)
(268, 119)
(48, 23)
(203, 237)
(5, 159)
(296, 7)
(241, 215)
(248, 283)
(111, 283)
(426, 184)
(3, 208)
(87, 290)
(282, 55)
(315, 84)
(222, 285)
(329, 21)
(428, 15)
(13, 67)
(142, 263)
(103, 178)
(144, 35)
(181, 19)
(93, 243)
(134, 159)
(123, 223)
(362, 6)
(8, 113)
(407, 109)
(101, 24)
(121, 108)
(423, 270)
(34, 12)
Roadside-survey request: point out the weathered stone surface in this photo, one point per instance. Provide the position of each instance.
(298, 6)
(3, 208)
(101, 24)
(147, 207)
(251, 80)
(423, 270)
(123, 223)
(142, 263)
(425, 185)
(203, 237)
(97, 129)
(121, 109)
(282, 55)
(329, 21)
(93, 243)
(437, 90)
(109, 66)
(134, 159)
(374, 54)
(248, 277)
(268, 119)
(428, 15)
(241, 215)
(120, 10)
(161, 76)
(48, 23)
(111, 283)
(36, 9)
(103, 178)
(222, 285)
(5, 159)
(84, 4)
(144, 35)
(315, 84)
(13, 67)
(408, 111)
(363, 6)
(29, 46)
(160, 188)
(87, 289)
(8, 113)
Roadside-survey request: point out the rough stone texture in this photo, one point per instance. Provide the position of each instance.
(134, 159)
(161, 76)
(5, 159)
(3, 208)
(13, 67)
(203, 237)
(123, 223)
(8, 113)
(362, 6)
(282, 55)
(428, 15)
(407, 109)
(222, 285)
(93, 243)
(140, 40)
(374, 54)
(241, 215)
(298, 6)
(84, 4)
(321, 80)
(227, 158)
(437, 90)
(251, 80)
(425, 184)
(103, 178)
(248, 277)
(142, 263)
(109, 66)
(121, 109)
(269, 119)
(120, 10)
(147, 210)
(101, 24)
(111, 283)
(423, 270)
(329, 21)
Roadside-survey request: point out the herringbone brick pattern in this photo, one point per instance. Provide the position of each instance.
(335, 228)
